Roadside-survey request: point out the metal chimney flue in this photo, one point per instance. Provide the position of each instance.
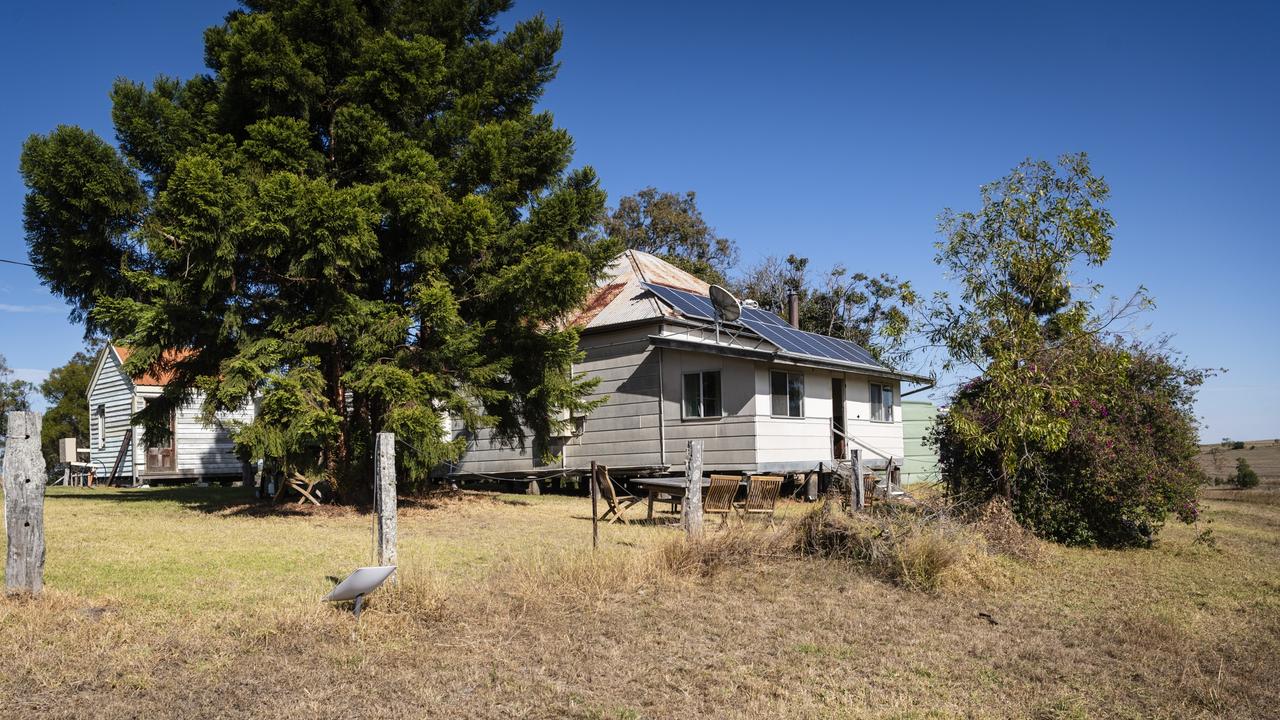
(793, 308)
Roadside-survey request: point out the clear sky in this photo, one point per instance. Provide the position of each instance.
(835, 131)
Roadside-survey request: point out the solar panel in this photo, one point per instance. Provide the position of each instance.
(770, 327)
(689, 304)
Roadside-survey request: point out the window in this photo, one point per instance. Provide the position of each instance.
(788, 394)
(881, 403)
(102, 426)
(702, 394)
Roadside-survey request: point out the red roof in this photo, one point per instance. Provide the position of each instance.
(162, 372)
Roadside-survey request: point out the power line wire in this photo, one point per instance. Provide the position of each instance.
(16, 262)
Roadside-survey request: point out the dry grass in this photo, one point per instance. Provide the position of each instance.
(180, 605)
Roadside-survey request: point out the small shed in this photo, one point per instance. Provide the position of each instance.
(196, 450)
(921, 461)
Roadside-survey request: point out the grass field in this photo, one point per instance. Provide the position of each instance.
(194, 603)
(1262, 455)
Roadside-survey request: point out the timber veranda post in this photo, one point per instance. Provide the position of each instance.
(384, 498)
(692, 511)
(24, 479)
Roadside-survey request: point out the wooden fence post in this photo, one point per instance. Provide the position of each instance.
(595, 516)
(384, 499)
(857, 497)
(24, 478)
(692, 514)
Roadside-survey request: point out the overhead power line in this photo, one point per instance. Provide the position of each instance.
(16, 262)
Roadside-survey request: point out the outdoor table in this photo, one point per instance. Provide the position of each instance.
(674, 486)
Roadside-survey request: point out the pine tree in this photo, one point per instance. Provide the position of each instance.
(357, 216)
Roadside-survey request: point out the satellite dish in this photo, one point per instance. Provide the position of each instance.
(359, 584)
(728, 309)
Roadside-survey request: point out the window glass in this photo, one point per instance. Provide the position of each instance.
(882, 403)
(692, 396)
(787, 390)
(778, 381)
(710, 394)
(795, 392)
(702, 394)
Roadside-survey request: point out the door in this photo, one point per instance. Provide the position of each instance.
(838, 447)
(163, 457)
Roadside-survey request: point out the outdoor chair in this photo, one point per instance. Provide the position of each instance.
(720, 496)
(616, 504)
(762, 495)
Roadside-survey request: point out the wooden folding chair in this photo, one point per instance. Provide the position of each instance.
(720, 496)
(762, 495)
(617, 504)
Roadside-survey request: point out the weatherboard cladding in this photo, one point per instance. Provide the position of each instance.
(201, 449)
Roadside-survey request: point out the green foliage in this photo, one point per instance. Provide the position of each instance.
(1245, 477)
(14, 396)
(1092, 441)
(66, 394)
(874, 311)
(357, 217)
(670, 226)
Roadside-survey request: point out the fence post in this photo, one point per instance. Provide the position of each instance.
(692, 514)
(24, 478)
(857, 498)
(595, 516)
(384, 500)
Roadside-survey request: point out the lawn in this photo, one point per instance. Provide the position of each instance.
(195, 602)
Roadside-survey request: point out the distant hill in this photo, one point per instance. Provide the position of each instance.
(1262, 455)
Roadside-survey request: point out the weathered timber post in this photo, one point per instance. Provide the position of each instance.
(24, 504)
(857, 497)
(692, 515)
(384, 498)
(595, 516)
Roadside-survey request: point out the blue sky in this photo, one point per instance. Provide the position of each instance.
(837, 132)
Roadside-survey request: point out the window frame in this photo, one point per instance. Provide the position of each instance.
(878, 390)
(772, 395)
(100, 421)
(684, 395)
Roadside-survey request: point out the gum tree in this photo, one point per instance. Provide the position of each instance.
(357, 216)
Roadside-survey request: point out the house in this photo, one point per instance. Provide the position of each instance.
(921, 460)
(761, 395)
(195, 449)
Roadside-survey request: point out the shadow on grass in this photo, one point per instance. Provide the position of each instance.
(242, 501)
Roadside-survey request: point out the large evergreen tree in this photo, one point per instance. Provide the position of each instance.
(357, 215)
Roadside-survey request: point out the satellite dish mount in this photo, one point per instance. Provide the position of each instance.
(727, 307)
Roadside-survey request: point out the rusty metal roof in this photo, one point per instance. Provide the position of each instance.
(619, 297)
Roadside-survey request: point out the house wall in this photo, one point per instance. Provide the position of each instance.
(201, 450)
(623, 432)
(797, 444)
(729, 442)
(112, 390)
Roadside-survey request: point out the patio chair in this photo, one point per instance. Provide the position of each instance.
(762, 495)
(616, 504)
(720, 496)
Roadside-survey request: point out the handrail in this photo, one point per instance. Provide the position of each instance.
(837, 430)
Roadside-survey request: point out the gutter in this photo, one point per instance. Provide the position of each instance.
(782, 359)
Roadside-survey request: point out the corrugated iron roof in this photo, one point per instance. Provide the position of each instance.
(159, 375)
(620, 299)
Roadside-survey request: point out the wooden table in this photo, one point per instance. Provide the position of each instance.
(674, 486)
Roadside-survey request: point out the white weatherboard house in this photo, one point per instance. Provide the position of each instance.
(761, 395)
(195, 450)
